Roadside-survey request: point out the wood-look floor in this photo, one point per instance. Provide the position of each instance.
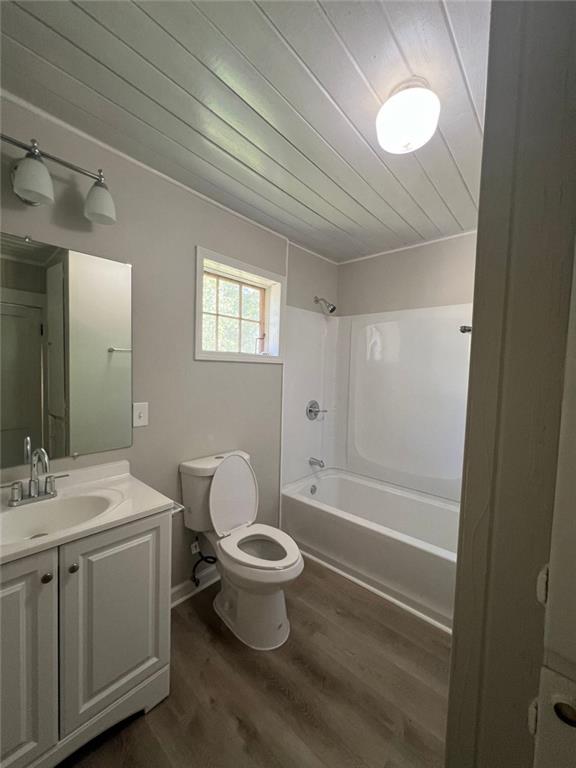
(359, 684)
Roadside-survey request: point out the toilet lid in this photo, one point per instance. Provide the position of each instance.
(233, 495)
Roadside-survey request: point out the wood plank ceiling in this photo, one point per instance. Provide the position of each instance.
(269, 107)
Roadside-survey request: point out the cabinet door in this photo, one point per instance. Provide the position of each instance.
(114, 615)
(28, 658)
(556, 732)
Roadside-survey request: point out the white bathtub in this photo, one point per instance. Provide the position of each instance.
(401, 543)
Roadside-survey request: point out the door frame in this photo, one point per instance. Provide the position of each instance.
(32, 300)
(525, 253)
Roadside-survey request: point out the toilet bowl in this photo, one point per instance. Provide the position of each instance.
(255, 561)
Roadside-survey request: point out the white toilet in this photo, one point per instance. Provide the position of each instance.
(255, 561)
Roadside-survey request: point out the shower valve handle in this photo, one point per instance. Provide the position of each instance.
(313, 409)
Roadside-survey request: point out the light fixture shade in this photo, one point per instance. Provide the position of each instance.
(99, 206)
(407, 120)
(32, 182)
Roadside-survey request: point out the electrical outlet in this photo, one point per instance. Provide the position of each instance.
(195, 547)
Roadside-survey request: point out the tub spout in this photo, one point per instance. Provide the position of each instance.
(316, 462)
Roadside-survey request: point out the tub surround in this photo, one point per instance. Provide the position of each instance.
(311, 341)
(413, 436)
(404, 398)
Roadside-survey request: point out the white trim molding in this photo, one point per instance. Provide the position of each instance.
(24, 298)
(187, 589)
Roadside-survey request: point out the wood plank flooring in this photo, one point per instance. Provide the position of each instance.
(359, 684)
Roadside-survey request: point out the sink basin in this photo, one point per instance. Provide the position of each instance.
(41, 518)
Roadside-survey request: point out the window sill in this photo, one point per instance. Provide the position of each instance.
(232, 357)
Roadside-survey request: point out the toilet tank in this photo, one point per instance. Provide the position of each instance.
(196, 476)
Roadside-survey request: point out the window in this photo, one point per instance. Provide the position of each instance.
(238, 310)
(232, 315)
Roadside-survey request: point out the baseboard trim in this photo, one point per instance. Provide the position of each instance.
(187, 589)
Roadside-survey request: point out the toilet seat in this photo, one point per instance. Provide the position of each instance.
(230, 546)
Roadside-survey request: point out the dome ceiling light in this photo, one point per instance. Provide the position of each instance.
(32, 183)
(408, 119)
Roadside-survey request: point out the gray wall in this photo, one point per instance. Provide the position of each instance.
(308, 276)
(427, 275)
(195, 407)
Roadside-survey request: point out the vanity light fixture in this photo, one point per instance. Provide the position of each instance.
(30, 178)
(99, 206)
(32, 183)
(408, 119)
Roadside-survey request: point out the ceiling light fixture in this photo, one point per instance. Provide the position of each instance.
(408, 119)
(32, 183)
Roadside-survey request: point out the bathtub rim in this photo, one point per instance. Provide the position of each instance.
(291, 491)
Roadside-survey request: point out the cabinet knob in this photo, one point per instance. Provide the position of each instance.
(46, 578)
(566, 711)
(73, 568)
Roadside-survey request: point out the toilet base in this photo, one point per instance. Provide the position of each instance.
(258, 620)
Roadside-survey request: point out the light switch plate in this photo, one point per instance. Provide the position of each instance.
(139, 414)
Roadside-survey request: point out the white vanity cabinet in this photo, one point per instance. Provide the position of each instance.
(85, 639)
(28, 658)
(114, 616)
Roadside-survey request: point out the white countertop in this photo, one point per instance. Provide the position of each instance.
(130, 500)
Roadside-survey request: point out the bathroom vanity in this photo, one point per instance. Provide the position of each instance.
(85, 612)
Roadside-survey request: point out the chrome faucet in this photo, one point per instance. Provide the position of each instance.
(39, 455)
(35, 458)
(316, 462)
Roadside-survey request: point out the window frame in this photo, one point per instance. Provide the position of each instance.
(273, 302)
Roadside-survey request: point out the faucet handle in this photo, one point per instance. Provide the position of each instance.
(50, 483)
(16, 490)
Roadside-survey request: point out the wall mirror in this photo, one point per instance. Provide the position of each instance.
(66, 351)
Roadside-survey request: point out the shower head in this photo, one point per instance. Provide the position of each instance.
(327, 307)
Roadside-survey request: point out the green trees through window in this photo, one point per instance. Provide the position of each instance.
(232, 315)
